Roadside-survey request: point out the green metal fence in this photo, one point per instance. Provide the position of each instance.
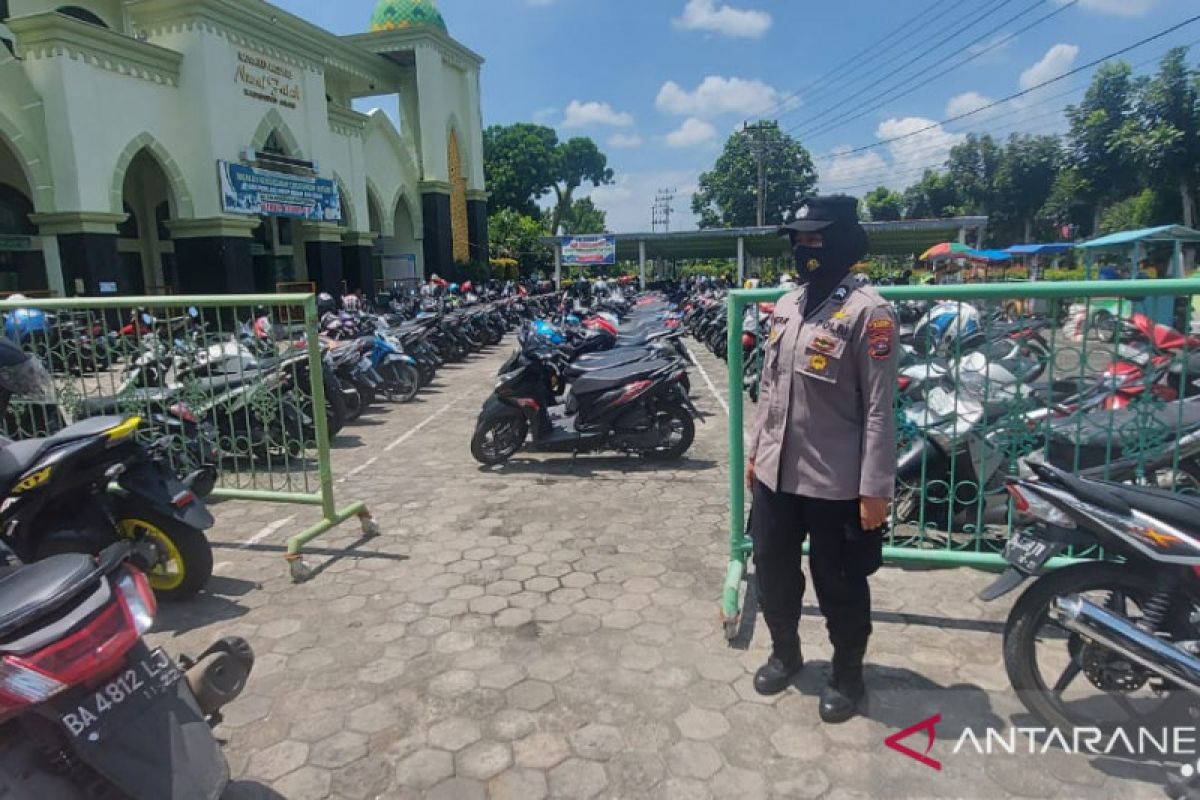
(1098, 377)
(231, 383)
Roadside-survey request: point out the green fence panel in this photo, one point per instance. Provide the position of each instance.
(1098, 377)
(231, 382)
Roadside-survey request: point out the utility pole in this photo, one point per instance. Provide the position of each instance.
(756, 134)
(664, 208)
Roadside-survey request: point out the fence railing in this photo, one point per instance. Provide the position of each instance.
(1097, 377)
(218, 381)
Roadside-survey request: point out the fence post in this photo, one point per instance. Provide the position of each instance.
(730, 605)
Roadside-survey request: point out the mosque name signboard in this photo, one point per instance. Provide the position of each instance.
(267, 80)
(260, 192)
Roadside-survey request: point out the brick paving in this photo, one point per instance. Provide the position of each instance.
(549, 629)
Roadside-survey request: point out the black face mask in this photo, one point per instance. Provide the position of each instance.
(823, 268)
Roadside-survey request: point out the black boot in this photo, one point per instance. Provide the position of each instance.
(845, 692)
(783, 665)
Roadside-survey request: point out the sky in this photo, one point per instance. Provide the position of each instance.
(868, 86)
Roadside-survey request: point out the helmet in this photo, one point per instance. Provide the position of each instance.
(454, 288)
(572, 319)
(548, 332)
(467, 288)
(325, 303)
(22, 375)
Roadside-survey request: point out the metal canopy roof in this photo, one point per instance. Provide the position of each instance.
(1163, 233)
(1040, 249)
(906, 238)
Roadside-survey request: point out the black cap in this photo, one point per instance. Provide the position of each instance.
(818, 213)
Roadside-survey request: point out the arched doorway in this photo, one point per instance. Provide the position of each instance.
(22, 267)
(274, 248)
(144, 243)
(399, 253)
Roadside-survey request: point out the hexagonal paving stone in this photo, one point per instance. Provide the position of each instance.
(642, 659)
(457, 789)
(513, 617)
(550, 668)
(542, 584)
(631, 602)
(701, 724)
(373, 718)
(483, 760)
(577, 779)
(278, 760)
(488, 604)
(740, 783)
(717, 668)
(578, 580)
(503, 588)
(698, 760)
(597, 742)
(519, 573)
(799, 742)
(306, 783)
(453, 683)
(635, 774)
(382, 670)
(338, 750)
(510, 724)
(425, 769)
(454, 642)
(530, 695)
(681, 789)
(518, 784)
(620, 620)
(279, 628)
(541, 750)
(454, 734)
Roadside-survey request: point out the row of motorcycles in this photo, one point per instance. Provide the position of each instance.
(609, 374)
(1097, 458)
(99, 524)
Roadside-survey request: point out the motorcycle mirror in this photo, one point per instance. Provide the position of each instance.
(193, 312)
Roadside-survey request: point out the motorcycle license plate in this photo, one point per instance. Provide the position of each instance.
(1029, 555)
(128, 693)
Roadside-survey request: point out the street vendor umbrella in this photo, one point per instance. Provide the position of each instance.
(946, 250)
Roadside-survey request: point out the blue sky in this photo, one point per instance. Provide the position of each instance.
(660, 84)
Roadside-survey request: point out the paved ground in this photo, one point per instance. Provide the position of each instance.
(549, 629)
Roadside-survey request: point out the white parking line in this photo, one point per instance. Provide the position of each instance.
(267, 530)
(421, 425)
(711, 386)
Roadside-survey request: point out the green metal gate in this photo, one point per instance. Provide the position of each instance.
(209, 384)
(1061, 341)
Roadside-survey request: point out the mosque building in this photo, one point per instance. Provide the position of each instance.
(217, 146)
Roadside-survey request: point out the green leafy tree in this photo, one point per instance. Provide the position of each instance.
(1067, 203)
(728, 193)
(972, 168)
(576, 161)
(1164, 136)
(584, 217)
(1094, 145)
(1131, 213)
(1024, 181)
(517, 236)
(884, 205)
(519, 165)
(934, 196)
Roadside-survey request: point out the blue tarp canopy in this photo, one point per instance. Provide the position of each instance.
(1040, 249)
(1163, 233)
(989, 256)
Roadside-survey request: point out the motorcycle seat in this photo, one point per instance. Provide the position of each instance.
(1182, 511)
(1099, 429)
(603, 361)
(606, 379)
(30, 591)
(112, 406)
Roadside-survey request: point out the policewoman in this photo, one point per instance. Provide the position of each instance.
(822, 455)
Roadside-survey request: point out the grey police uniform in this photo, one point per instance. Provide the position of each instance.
(824, 436)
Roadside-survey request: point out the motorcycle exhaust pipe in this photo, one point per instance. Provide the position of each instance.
(1117, 633)
(220, 674)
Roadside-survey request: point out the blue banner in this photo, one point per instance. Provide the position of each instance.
(589, 251)
(263, 193)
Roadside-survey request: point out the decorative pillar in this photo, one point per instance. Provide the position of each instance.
(358, 261)
(212, 256)
(477, 226)
(323, 256)
(435, 212)
(87, 250)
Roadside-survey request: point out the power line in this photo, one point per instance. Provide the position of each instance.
(756, 136)
(862, 111)
(1022, 93)
(661, 211)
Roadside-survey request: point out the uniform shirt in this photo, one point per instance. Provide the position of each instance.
(825, 426)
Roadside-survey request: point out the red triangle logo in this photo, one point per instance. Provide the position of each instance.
(930, 727)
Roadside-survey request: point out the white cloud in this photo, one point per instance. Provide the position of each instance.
(627, 202)
(848, 173)
(965, 103)
(910, 155)
(583, 115)
(992, 49)
(544, 115)
(692, 132)
(1058, 60)
(717, 95)
(706, 15)
(625, 140)
(1116, 8)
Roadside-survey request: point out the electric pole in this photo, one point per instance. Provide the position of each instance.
(756, 136)
(663, 202)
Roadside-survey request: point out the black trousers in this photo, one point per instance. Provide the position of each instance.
(841, 558)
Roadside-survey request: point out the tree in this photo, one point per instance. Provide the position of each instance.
(584, 217)
(728, 194)
(519, 237)
(1131, 213)
(1026, 176)
(934, 196)
(576, 161)
(972, 168)
(519, 165)
(1067, 202)
(884, 205)
(1095, 149)
(1164, 136)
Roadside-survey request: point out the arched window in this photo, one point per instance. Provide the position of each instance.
(15, 209)
(129, 228)
(81, 14)
(274, 144)
(161, 215)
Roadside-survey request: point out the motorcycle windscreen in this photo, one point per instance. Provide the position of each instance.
(167, 753)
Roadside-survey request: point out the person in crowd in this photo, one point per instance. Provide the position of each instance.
(822, 454)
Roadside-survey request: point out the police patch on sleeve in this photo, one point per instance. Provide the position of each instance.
(880, 335)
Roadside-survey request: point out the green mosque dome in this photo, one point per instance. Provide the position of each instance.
(391, 15)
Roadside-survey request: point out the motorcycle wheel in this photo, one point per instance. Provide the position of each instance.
(335, 410)
(677, 430)
(354, 405)
(187, 559)
(405, 382)
(1025, 629)
(497, 440)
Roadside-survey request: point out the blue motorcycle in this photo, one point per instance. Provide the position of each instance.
(401, 379)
